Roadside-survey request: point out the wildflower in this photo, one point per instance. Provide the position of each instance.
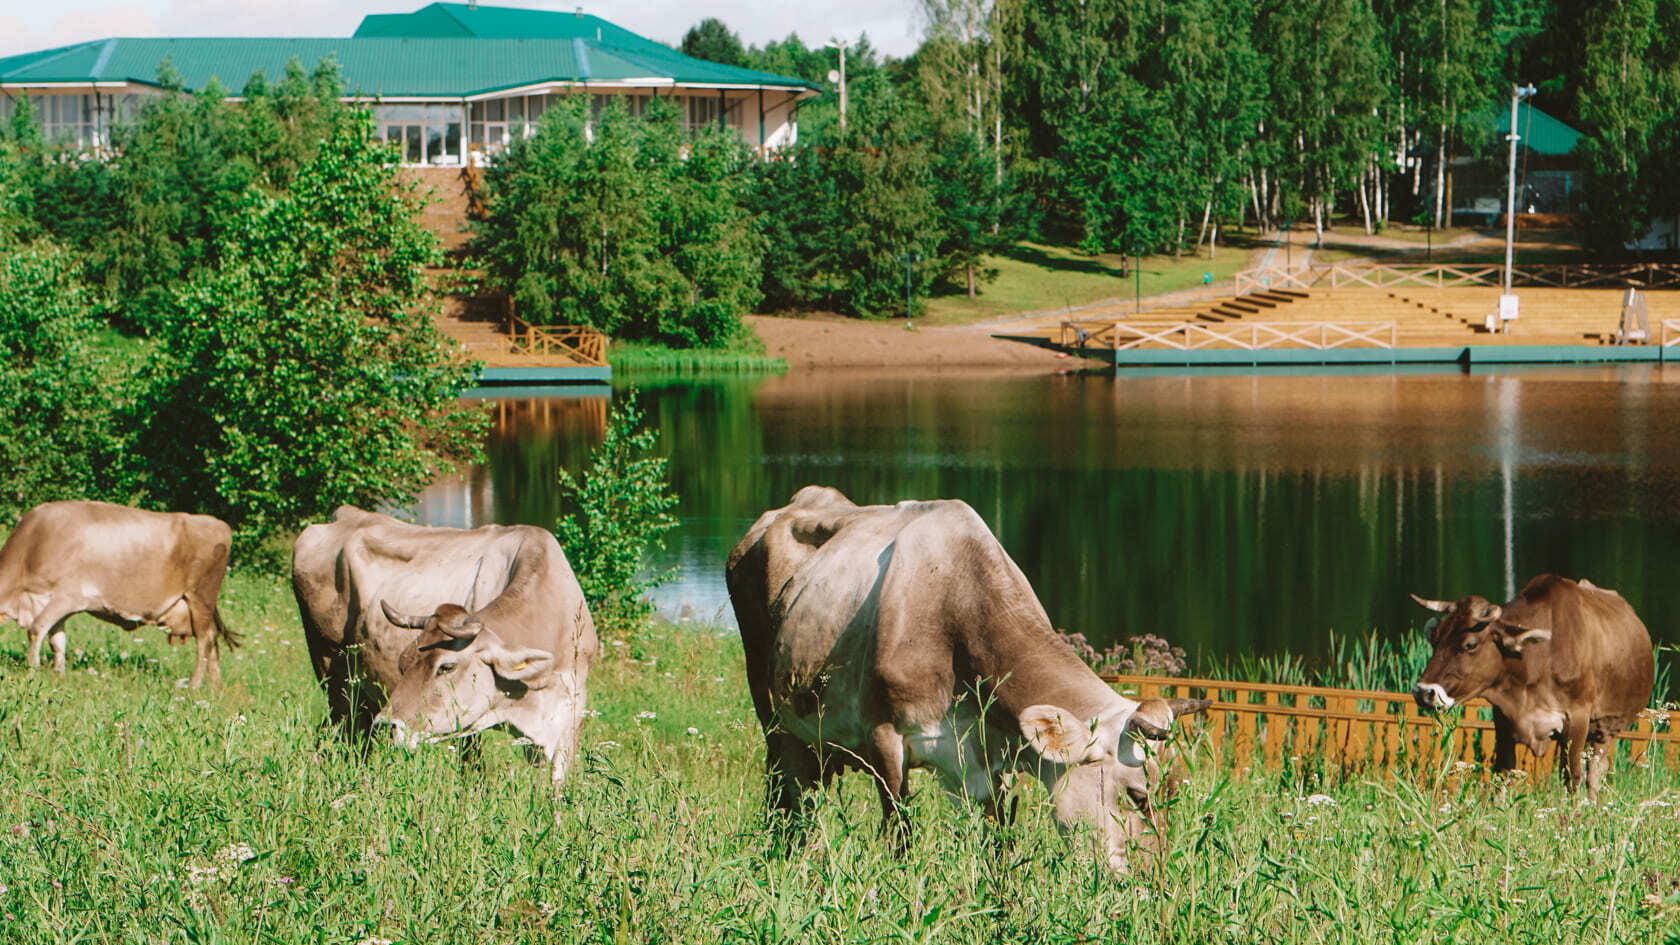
(606, 746)
(235, 854)
(20, 830)
(618, 643)
(339, 802)
(693, 731)
(591, 713)
(373, 940)
(1321, 800)
(645, 715)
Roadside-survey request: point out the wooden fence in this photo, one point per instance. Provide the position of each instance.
(1573, 276)
(1245, 335)
(555, 344)
(1254, 725)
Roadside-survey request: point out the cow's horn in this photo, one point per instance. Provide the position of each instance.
(472, 595)
(402, 620)
(1520, 627)
(465, 631)
(1489, 615)
(1439, 606)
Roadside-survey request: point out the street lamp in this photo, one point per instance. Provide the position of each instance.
(840, 44)
(1508, 301)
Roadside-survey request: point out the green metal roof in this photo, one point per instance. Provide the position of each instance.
(382, 60)
(1540, 132)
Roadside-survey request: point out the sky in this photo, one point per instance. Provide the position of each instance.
(893, 26)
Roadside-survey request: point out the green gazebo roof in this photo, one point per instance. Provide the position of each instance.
(444, 50)
(1541, 133)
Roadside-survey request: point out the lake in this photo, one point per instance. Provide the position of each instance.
(1227, 512)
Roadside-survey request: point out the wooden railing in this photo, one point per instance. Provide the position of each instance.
(1255, 725)
(1570, 276)
(573, 344)
(1670, 332)
(1245, 335)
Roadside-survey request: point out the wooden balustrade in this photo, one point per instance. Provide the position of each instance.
(1266, 727)
(1245, 335)
(1561, 276)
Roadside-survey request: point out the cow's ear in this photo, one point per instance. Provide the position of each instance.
(1059, 735)
(1515, 639)
(526, 665)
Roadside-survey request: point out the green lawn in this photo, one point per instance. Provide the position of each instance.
(132, 811)
(1035, 278)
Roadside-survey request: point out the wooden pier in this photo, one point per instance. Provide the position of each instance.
(1388, 315)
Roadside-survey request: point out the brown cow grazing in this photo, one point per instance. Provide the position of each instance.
(125, 566)
(1564, 660)
(366, 582)
(892, 637)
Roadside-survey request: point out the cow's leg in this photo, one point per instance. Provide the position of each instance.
(1599, 753)
(48, 626)
(1575, 751)
(1504, 743)
(793, 771)
(892, 780)
(202, 625)
(60, 642)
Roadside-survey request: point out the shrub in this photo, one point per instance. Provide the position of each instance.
(303, 371)
(54, 408)
(623, 511)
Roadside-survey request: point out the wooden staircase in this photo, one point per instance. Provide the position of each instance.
(484, 324)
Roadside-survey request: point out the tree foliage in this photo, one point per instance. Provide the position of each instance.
(617, 228)
(623, 509)
(303, 371)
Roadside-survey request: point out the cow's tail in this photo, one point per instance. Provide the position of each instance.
(223, 634)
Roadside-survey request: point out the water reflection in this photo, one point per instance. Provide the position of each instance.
(1248, 512)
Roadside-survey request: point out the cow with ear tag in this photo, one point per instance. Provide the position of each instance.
(398, 655)
(1563, 661)
(886, 638)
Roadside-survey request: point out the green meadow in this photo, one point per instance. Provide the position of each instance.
(134, 811)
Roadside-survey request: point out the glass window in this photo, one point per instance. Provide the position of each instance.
(493, 135)
(495, 110)
(411, 137)
(516, 109)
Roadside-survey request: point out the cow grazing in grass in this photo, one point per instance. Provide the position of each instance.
(1564, 660)
(125, 566)
(435, 633)
(892, 637)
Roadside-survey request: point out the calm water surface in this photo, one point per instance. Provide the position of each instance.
(1228, 513)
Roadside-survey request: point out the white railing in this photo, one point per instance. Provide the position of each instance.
(1248, 336)
(1670, 332)
(1572, 276)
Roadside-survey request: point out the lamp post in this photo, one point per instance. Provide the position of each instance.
(840, 44)
(1508, 301)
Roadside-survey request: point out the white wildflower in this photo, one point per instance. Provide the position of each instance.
(606, 746)
(1321, 800)
(693, 731)
(339, 802)
(235, 854)
(645, 715)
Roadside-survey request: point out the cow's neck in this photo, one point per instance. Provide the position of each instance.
(1035, 666)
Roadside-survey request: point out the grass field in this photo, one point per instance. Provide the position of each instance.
(1036, 278)
(132, 811)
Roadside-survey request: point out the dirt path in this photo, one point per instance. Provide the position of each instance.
(827, 341)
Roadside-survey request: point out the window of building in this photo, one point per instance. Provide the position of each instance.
(424, 133)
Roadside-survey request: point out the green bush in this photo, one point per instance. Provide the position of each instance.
(304, 371)
(623, 511)
(55, 410)
(620, 229)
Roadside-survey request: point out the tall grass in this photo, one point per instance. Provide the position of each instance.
(1349, 661)
(131, 811)
(633, 357)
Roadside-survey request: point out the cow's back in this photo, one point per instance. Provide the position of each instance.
(1600, 650)
(128, 559)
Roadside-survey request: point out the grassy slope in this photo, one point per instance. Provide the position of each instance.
(119, 794)
(1036, 278)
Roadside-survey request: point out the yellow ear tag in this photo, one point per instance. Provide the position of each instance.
(521, 665)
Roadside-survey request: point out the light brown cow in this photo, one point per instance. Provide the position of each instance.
(892, 637)
(125, 566)
(365, 583)
(1563, 660)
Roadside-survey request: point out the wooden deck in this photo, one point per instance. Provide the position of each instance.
(514, 351)
(1376, 315)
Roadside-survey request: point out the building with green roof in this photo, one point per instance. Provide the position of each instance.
(1548, 173)
(444, 81)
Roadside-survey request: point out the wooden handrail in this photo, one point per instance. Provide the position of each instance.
(1449, 275)
(1247, 335)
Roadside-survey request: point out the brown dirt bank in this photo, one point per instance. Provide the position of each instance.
(828, 341)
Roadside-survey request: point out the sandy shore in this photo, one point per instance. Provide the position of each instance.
(820, 341)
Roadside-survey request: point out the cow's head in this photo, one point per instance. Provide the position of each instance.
(461, 679)
(1112, 773)
(1472, 641)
